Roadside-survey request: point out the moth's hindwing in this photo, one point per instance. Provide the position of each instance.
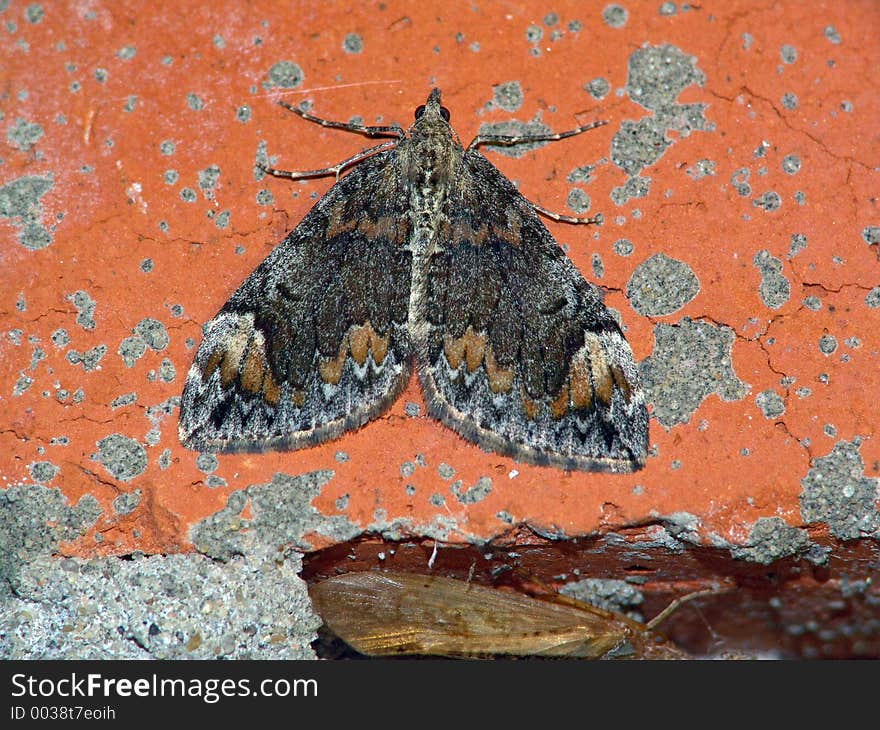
(314, 342)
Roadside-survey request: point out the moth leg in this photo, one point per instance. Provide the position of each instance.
(390, 131)
(506, 139)
(593, 220)
(335, 170)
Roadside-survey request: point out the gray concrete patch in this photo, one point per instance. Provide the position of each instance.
(656, 76)
(85, 309)
(661, 285)
(771, 539)
(771, 404)
(477, 493)
(283, 75)
(282, 514)
(636, 145)
(123, 457)
(690, 361)
(633, 188)
(131, 349)
(89, 359)
(153, 333)
(20, 202)
(507, 96)
(22, 134)
(774, 288)
(127, 502)
(43, 471)
(607, 593)
(33, 520)
(837, 492)
(352, 43)
(174, 607)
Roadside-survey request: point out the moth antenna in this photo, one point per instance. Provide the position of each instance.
(678, 603)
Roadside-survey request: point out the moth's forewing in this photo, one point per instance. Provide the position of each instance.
(403, 613)
(314, 342)
(518, 353)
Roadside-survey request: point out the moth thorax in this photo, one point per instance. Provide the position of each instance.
(428, 174)
(430, 156)
(427, 203)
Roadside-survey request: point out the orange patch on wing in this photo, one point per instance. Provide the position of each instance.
(621, 382)
(359, 342)
(475, 346)
(330, 369)
(500, 380)
(363, 340)
(337, 224)
(461, 230)
(531, 407)
(379, 346)
(559, 405)
(251, 376)
(233, 350)
(579, 384)
(392, 229)
(214, 360)
(469, 348)
(599, 369)
(512, 233)
(386, 227)
(271, 391)
(228, 369)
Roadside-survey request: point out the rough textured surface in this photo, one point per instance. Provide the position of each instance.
(661, 285)
(281, 514)
(837, 492)
(253, 605)
(739, 145)
(691, 360)
(160, 607)
(33, 521)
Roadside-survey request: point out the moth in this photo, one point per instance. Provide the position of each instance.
(383, 614)
(424, 256)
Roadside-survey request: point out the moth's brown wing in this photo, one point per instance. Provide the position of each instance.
(522, 357)
(314, 341)
(404, 613)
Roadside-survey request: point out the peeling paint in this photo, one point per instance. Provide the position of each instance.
(690, 361)
(660, 285)
(20, 202)
(836, 492)
(282, 515)
(771, 539)
(33, 521)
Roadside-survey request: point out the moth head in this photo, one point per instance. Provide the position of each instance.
(432, 106)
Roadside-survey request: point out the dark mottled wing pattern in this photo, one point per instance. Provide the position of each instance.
(314, 341)
(521, 355)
